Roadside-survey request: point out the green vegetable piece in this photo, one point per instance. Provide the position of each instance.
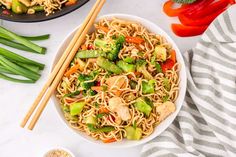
(91, 120)
(17, 58)
(148, 87)
(126, 66)
(90, 54)
(37, 8)
(6, 71)
(184, 1)
(22, 40)
(15, 45)
(109, 66)
(143, 106)
(165, 98)
(158, 67)
(133, 84)
(92, 92)
(29, 67)
(18, 7)
(18, 70)
(37, 38)
(76, 108)
(100, 43)
(105, 129)
(133, 133)
(72, 94)
(5, 77)
(129, 60)
(100, 115)
(112, 49)
(85, 85)
(141, 67)
(65, 108)
(166, 84)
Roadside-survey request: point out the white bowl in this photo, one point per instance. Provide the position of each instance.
(163, 125)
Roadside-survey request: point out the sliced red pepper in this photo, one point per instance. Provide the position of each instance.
(170, 11)
(210, 9)
(109, 140)
(167, 65)
(135, 40)
(232, 1)
(189, 21)
(186, 31)
(200, 4)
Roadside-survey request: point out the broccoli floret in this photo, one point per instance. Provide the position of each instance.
(85, 85)
(126, 66)
(112, 49)
(141, 67)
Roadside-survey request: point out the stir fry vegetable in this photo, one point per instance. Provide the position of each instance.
(109, 66)
(144, 105)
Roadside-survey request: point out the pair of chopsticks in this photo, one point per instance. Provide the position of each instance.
(61, 67)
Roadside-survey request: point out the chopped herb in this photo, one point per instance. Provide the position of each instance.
(72, 94)
(100, 115)
(165, 98)
(96, 104)
(158, 68)
(166, 84)
(135, 125)
(105, 129)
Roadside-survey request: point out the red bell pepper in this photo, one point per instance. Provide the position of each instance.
(186, 31)
(210, 9)
(170, 11)
(232, 1)
(201, 21)
(167, 65)
(198, 6)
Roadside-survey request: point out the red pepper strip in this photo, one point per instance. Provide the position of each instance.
(212, 8)
(170, 11)
(198, 6)
(232, 2)
(167, 65)
(189, 21)
(186, 31)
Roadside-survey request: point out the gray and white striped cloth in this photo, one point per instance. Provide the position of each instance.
(206, 124)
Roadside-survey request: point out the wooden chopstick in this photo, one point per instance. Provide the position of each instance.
(62, 65)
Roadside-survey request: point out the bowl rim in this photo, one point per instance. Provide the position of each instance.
(180, 98)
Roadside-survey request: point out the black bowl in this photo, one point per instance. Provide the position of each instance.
(40, 16)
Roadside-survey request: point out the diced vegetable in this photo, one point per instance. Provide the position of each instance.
(76, 108)
(143, 106)
(109, 66)
(70, 2)
(160, 53)
(135, 40)
(72, 70)
(105, 129)
(173, 55)
(90, 54)
(133, 84)
(148, 87)
(126, 66)
(91, 120)
(167, 65)
(18, 7)
(37, 8)
(103, 110)
(133, 133)
(165, 98)
(141, 67)
(109, 140)
(158, 67)
(103, 28)
(129, 60)
(166, 84)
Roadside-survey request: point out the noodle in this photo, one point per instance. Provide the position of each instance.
(127, 94)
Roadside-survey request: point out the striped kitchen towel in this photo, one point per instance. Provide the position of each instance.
(206, 124)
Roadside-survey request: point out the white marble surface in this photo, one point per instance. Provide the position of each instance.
(15, 99)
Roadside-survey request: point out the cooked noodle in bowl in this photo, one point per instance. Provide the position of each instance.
(125, 85)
